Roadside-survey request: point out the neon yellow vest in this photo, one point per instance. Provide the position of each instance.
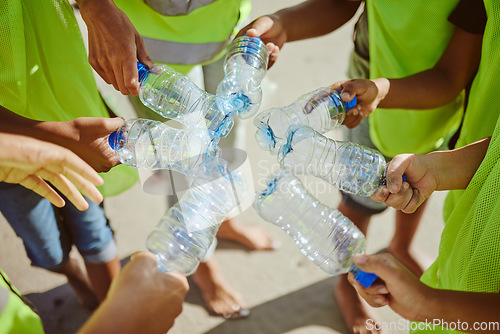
(407, 37)
(15, 316)
(484, 102)
(45, 72)
(183, 40)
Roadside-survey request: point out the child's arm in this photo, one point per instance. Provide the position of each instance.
(440, 170)
(306, 20)
(432, 88)
(413, 300)
(85, 136)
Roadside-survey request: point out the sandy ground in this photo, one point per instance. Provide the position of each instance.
(285, 292)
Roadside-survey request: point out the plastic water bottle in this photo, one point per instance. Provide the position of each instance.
(322, 109)
(174, 96)
(350, 167)
(323, 234)
(148, 144)
(245, 66)
(187, 230)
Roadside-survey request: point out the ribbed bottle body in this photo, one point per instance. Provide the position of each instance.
(353, 168)
(245, 66)
(322, 109)
(148, 144)
(186, 231)
(323, 234)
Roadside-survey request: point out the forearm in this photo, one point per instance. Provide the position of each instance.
(315, 18)
(439, 85)
(61, 133)
(455, 168)
(475, 312)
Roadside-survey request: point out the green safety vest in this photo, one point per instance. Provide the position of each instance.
(184, 34)
(483, 107)
(15, 316)
(469, 252)
(407, 37)
(45, 74)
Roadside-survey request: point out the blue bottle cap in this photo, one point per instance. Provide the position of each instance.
(112, 139)
(143, 71)
(364, 278)
(348, 105)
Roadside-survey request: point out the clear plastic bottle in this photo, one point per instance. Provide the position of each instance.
(350, 167)
(323, 234)
(322, 109)
(245, 66)
(148, 144)
(187, 230)
(172, 95)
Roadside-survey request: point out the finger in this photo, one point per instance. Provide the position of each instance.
(351, 88)
(395, 171)
(67, 188)
(87, 188)
(99, 70)
(110, 74)
(130, 78)
(384, 265)
(415, 201)
(374, 300)
(142, 54)
(274, 52)
(39, 186)
(381, 194)
(339, 85)
(402, 198)
(260, 26)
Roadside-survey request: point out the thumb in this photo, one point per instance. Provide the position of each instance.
(385, 266)
(112, 124)
(142, 54)
(260, 26)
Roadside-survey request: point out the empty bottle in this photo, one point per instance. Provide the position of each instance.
(245, 66)
(350, 167)
(172, 95)
(187, 230)
(148, 144)
(323, 234)
(322, 109)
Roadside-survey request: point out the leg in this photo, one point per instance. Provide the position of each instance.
(253, 237)
(93, 237)
(354, 311)
(45, 239)
(79, 281)
(101, 275)
(219, 297)
(406, 226)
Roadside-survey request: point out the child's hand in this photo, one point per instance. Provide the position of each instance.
(368, 95)
(270, 29)
(396, 286)
(407, 196)
(34, 163)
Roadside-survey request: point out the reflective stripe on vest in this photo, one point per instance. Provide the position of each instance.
(176, 7)
(182, 53)
(196, 38)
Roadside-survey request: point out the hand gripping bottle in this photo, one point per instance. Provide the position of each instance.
(172, 95)
(323, 234)
(245, 66)
(350, 167)
(148, 144)
(187, 230)
(322, 110)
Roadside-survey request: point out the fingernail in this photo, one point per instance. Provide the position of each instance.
(394, 188)
(345, 95)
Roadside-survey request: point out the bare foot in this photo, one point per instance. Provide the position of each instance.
(79, 281)
(356, 315)
(406, 258)
(253, 237)
(219, 297)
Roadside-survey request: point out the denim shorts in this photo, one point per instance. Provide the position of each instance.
(48, 233)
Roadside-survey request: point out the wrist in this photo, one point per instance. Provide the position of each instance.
(383, 86)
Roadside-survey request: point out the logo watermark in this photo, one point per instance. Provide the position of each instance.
(431, 325)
